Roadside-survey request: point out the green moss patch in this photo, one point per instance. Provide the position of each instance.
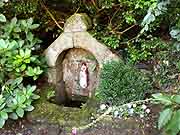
(67, 117)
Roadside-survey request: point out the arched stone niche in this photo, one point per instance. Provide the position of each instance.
(76, 44)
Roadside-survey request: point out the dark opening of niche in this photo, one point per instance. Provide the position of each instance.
(76, 104)
(67, 103)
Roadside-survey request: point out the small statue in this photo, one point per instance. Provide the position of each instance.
(83, 76)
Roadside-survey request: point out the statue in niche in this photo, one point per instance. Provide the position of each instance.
(83, 76)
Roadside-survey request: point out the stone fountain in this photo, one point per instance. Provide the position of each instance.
(75, 60)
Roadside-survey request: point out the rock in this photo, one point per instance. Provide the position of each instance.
(77, 23)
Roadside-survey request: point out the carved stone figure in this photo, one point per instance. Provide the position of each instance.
(83, 76)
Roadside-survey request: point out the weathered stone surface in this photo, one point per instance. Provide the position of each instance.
(62, 43)
(64, 60)
(77, 23)
(86, 41)
(71, 70)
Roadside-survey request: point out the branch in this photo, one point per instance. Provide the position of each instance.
(122, 32)
(52, 17)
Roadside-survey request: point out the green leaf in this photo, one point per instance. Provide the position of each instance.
(2, 106)
(35, 77)
(34, 26)
(29, 108)
(21, 99)
(32, 88)
(1, 4)
(27, 53)
(148, 18)
(13, 116)
(174, 125)
(8, 110)
(22, 54)
(164, 117)
(35, 97)
(30, 36)
(30, 21)
(3, 44)
(20, 112)
(23, 67)
(164, 99)
(4, 115)
(17, 81)
(2, 122)
(17, 29)
(27, 60)
(176, 99)
(30, 71)
(13, 21)
(2, 18)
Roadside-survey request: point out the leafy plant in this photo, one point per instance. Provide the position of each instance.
(111, 41)
(15, 99)
(18, 60)
(169, 118)
(34, 72)
(120, 83)
(146, 50)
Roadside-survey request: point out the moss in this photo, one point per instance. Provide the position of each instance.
(84, 18)
(67, 117)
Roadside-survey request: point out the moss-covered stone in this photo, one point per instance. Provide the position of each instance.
(67, 117)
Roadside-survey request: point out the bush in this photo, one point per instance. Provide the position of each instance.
(120, 83)
(17, 62)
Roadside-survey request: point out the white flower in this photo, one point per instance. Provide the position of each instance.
(141, 115)
(148, 110)
(129, 105)
(134, 105)
(116, 113)
(121, 110)
(144, 107)
(5, 0)
(166, 62)
(102, 107)
(131, 111)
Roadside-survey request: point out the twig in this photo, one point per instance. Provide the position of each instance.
(94, 4)
(110, 22)
(120, 33)
(42, 3)
(131, 39)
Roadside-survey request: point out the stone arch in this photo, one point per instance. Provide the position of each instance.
(75, 35)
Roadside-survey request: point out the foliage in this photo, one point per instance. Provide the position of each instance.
(120, 83)
(170, 116)
(147, 49)
(166, 69)
(15, 99)
(111, 41)
(18, 60)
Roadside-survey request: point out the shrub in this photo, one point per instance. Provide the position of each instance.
(120, 83)
(17, 61)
